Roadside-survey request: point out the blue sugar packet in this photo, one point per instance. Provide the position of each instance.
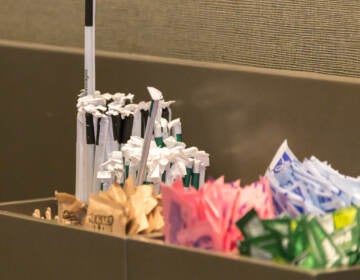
(287, 195)
(280, 171)
(349, 186)
(309, 187)
(290, 194)
(283, 155)
(337, 188)
(321, 192)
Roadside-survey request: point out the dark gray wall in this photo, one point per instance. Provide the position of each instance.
(316, 36)
(239, 116)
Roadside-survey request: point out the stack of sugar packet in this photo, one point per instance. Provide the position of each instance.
(205, 218)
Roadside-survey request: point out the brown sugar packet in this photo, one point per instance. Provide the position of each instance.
(129, 187)
(116, 193)
(150, 202)
(104, 195)
(144, 215)
(70, 209)
(151, 226)
(138, 220)
(158, 218)
(158, 214)
(132, 227)
(155, 220)
(143, 202)
(106, 215)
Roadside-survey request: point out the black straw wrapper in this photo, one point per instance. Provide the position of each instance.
(116, 124)
(90, 133)
(127, 125)
(144, 118)
(98, 131)
(89, 13)
(108, 101)
(165, 114)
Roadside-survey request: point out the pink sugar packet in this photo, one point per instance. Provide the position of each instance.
(179, 212)
(256, 195)
(206, 218)
(201, 235)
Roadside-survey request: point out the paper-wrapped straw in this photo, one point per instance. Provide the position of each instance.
(156, 96)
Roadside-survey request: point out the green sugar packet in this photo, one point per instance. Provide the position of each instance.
(328, 241)
(267, 247)
(346, 239)
(347, 232)
(251, 226)
(339, 219)
(280, 227)
(346, 217)
(323, 248)
(298, 241)
(343, 228)
(307, 261)
(299, 247)
(327, 222)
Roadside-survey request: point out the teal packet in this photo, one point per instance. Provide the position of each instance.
(251, 225)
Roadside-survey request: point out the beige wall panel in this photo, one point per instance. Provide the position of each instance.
(240, 117)
(316, 36)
